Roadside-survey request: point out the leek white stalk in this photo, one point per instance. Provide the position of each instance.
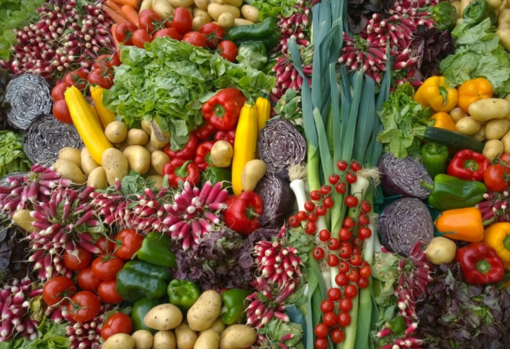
(297, 184)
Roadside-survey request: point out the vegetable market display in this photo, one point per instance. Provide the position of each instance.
(229, 174)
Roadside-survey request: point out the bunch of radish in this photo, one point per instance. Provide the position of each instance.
(84, 335)
(288, 77)
(67, 37)
(296, 26)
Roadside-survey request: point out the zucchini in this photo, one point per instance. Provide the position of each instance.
(453, 140)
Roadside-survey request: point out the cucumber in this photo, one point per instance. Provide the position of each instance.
(453, 140)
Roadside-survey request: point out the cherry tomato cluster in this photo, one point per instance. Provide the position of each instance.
(178, 27)
(96, 280)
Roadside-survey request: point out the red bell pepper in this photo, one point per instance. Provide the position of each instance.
(203, 155)
(180, 170)
(480, 264)
(223, 109)
(468, 165)
(228, 136)
(205, 131)
(186, 153)
(242, 214)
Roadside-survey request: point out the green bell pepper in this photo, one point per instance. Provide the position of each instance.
(140, 309)
(139, 279)
(215, 175)
(156, 250)
(266, 32)
(478, 11)
(445, 15)
(234, 305)
(435, 157)
(450, 192)
(183, 294)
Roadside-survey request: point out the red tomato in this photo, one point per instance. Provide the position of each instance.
(337, 336)
(148, 20)
(106, 246)
(140, 37)
(78, 259)
(84, 306)
(344, 319)
(497, 177)
(87, 280)
(57, 288)
(214, 34)
(77, 78)
(321, 343)
(505, 158)
(108, 292)
(195, 39)
(329, 319)
(116, 323)
(321, 330)
(58, 91)
(327, 305)
(103, 79)
(345, 305)
(351, 291)
(61, 112)
(171, 32)
(131, 242)
(365, 271)
(182, 20)
(106, 62)
(228, 50)
(107, 268)
(124, 33)
(363, 283)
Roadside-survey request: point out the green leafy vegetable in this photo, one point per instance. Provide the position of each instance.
(50, 336)
(289, 108)
(12, 158)
(276, 329)
(273, 8)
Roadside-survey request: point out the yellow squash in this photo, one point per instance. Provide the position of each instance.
(245, 145)
(263, 110)
(86, 124)
(105, 116)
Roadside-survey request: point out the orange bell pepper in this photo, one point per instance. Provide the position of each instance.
(472, 91)
(464, 224)
(443, 120)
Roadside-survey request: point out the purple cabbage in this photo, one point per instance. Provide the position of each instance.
(278, 199)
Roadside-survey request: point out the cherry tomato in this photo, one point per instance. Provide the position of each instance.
(321, 343)
(310, 228)
(341, 188)
(344, 319)
(355, 166)
(214, 34)
(116, 323)
(182, 20)
(343, 267)
(315, 195)
(293, 221)
(106, 62)
(334, 244)
(103, 79)
(195, 39)
(333, 179)
(363, 283)
(363, 219)
(344, 234)
(365, 206)
(356, 260)
(334, 294)
(61, 112)
(353, 275)
(365, 271)
(356, 251)
(351, 201)
(58, 91)
(349, 222)
(364, 233)
(324, 235)
(228, 50)
(106, 246)
(171, 32)
(351, 178)
(350, 291)
(321, 210)
(345, 252)
(57, 288)
(357, 242)
(87, 280)
(309, 206)
(148, 21)
(321, 330)
(107, 291)
(124, 33)
(497, 177)
(84, 306)
(312, 217)
(301, 216)
(327, 305)
(318, 253)
(505, 158)
(131, 242)
(337, 336)
(77, 78)
(140, 37)
(342, 165)
(328, 202)
(329, 319)
(325, 189)
(341, 279)
(78, 259)
(345, 305)
(333, 260)
(106, 268)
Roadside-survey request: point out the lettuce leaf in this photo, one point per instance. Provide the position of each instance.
(50, 336)
(12, 158)
(273, 8)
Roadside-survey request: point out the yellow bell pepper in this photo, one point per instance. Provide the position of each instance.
(497, 236)
(472, 91)
(245, 144)
(86, 124)
(444, 121)
(434, 94)
(105, 116)
(263, 110)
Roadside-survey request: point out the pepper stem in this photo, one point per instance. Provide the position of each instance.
(471, 165)
(483, 266)
(506, 242)
(219, 111)
(183, 171)
(427, 185)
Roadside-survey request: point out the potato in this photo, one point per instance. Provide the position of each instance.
(158, 138)
(456, 114)
(216, 10)
(69, 170)
(495, 4)
(208, 340)
(253, 171)
(467, 126)
(217, 326)
(441, 250)
(456, 4)
(480, 135)
(238, 337)
(116, 131)
(205, 311)
(163, 317)
(250, 13)
(163, 8)
(198, 23)
(136, 136)
(489, 108)
(119, 341)
(222, 153)
(186, 337)
(71, 154)
(236, 3)
(87, 162)
(158, 181)
(505, 25)
(24, 220)
(240, 22)
(496, 129)
(143, 339)
(201, 13)
(139, 158)
(493, 149)
(97, 178)
(146, 5)
(226, 20)
(182, 3)
(504, 37)
(506, 143)
(146, 126)
(158, 160)
(115, 165)
(164, 340)
(504, 17)
(201, 4)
